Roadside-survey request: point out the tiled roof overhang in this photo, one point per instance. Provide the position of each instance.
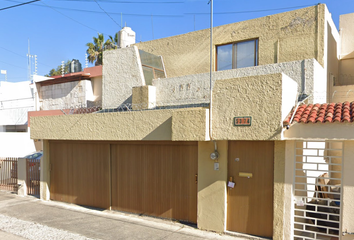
(322, 113)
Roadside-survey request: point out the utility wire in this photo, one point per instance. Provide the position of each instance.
(168, 15)
(108, 15)
(18, 5)
(254, 11)
(22, 56)
(111, 13)
(112, 1)
(71, 18)
(13, 65)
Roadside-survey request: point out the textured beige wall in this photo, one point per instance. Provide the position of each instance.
(190, 125)
(97, 89)
(348, 189)
(288, 220)
(144, 97)
(212, 187)
(346, 70)
(45, 172)
(279, 185)
(283, 37)
(121, 72)
(346, 27)
(257, 96)
(136, 125)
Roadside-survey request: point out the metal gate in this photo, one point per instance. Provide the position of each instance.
(317, 190)
(8, 174)
(33, 176)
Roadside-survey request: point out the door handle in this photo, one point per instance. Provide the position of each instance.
(196, 178)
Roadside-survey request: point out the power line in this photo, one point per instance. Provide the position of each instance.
(254, 11)
(18, 5)
(112, 1)
(13, 65)
(108, 15)
(70, 17)
(22, 55)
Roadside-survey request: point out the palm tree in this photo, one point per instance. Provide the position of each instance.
(114, 41)
(96, 49)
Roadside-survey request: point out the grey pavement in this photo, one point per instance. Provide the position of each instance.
(9, 236)
(24, 216)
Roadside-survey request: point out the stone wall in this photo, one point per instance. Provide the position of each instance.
(66, 95)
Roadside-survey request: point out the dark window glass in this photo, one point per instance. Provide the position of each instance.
(237, 55)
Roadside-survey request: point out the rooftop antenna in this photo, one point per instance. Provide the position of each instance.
(29, 64)
(152, 26)
(62, 68)
(86, 61)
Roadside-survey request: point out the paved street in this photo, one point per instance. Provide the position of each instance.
(31, 218)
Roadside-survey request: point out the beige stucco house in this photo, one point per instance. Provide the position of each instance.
(237, 160)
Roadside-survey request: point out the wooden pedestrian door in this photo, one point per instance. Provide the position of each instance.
(250, 202)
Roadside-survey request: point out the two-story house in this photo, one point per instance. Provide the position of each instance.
(222, 150)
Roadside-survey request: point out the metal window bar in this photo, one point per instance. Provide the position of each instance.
(33, 176)
(8, 174)
(317, 189)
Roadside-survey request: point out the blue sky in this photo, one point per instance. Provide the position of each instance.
(58, 30)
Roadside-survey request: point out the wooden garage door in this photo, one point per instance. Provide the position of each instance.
(156, 179)
(250, 202)
(80, 173)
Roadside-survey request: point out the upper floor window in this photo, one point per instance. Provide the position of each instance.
(237, 55)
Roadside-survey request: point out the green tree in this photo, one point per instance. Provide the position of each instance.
(96, 49)
(57, 71)
(114, 41)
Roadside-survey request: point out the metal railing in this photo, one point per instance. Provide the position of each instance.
(128, 107)
(33, 176)
(8, 174)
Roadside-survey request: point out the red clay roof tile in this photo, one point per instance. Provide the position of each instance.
(321, 113)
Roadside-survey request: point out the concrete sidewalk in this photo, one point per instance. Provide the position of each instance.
(57, 219)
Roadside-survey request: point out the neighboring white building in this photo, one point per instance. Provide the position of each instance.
(16, 99)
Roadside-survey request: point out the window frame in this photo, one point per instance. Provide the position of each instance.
(234, 52)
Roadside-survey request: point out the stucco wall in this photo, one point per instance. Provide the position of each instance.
(279, 185)
(45, 172)
(308, 74)
(66, 95)
(346, 76)
(283, 37)
(121, 71)
(348, 189)
(97, 90)
(135, 125)
(212, 187)
(347, 35)
(190, 124)
(247, 97)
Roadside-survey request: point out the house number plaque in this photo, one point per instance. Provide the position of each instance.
(243, 121)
